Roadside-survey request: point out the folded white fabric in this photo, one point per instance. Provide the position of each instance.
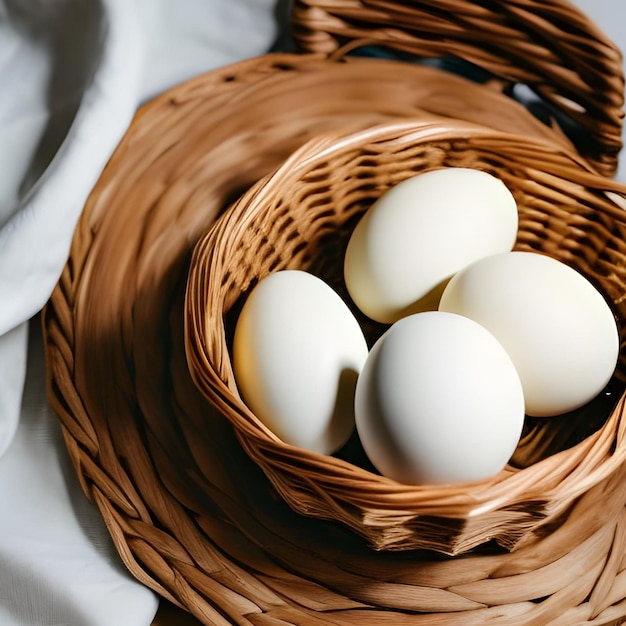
(57, 563)
(72, 73)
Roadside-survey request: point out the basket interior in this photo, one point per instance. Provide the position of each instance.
(307, 217)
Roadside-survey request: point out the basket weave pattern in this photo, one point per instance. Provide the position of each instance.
(550, 46)
(301, 217)
(192, 516)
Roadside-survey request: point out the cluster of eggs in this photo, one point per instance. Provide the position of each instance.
(478, 336)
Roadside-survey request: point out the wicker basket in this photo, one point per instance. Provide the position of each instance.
(301, 217)
(190, 514)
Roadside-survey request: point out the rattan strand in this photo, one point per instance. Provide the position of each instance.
(190, 514)
(550, 46)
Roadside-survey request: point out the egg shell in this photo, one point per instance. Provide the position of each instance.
(422, 231)
(557, 327)
(438, 401)
(297, 352)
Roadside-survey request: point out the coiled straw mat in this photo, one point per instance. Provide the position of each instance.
(192, 516)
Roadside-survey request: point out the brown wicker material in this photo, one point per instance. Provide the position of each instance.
(191, 515)
(302, 216)
(549, 45)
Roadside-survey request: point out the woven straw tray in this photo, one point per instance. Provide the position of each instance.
(190, 514)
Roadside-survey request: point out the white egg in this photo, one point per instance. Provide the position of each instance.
(557, 328)
(438, 401)
(419, 233)
(297, 353)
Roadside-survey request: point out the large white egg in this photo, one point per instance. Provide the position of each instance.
(419, 233)
(297, 353)
(557, 328)
(438, 401)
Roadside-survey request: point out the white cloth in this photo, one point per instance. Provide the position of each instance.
(57, 563)
(72, 73)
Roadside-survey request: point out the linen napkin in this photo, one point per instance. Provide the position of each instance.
(72, 74)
